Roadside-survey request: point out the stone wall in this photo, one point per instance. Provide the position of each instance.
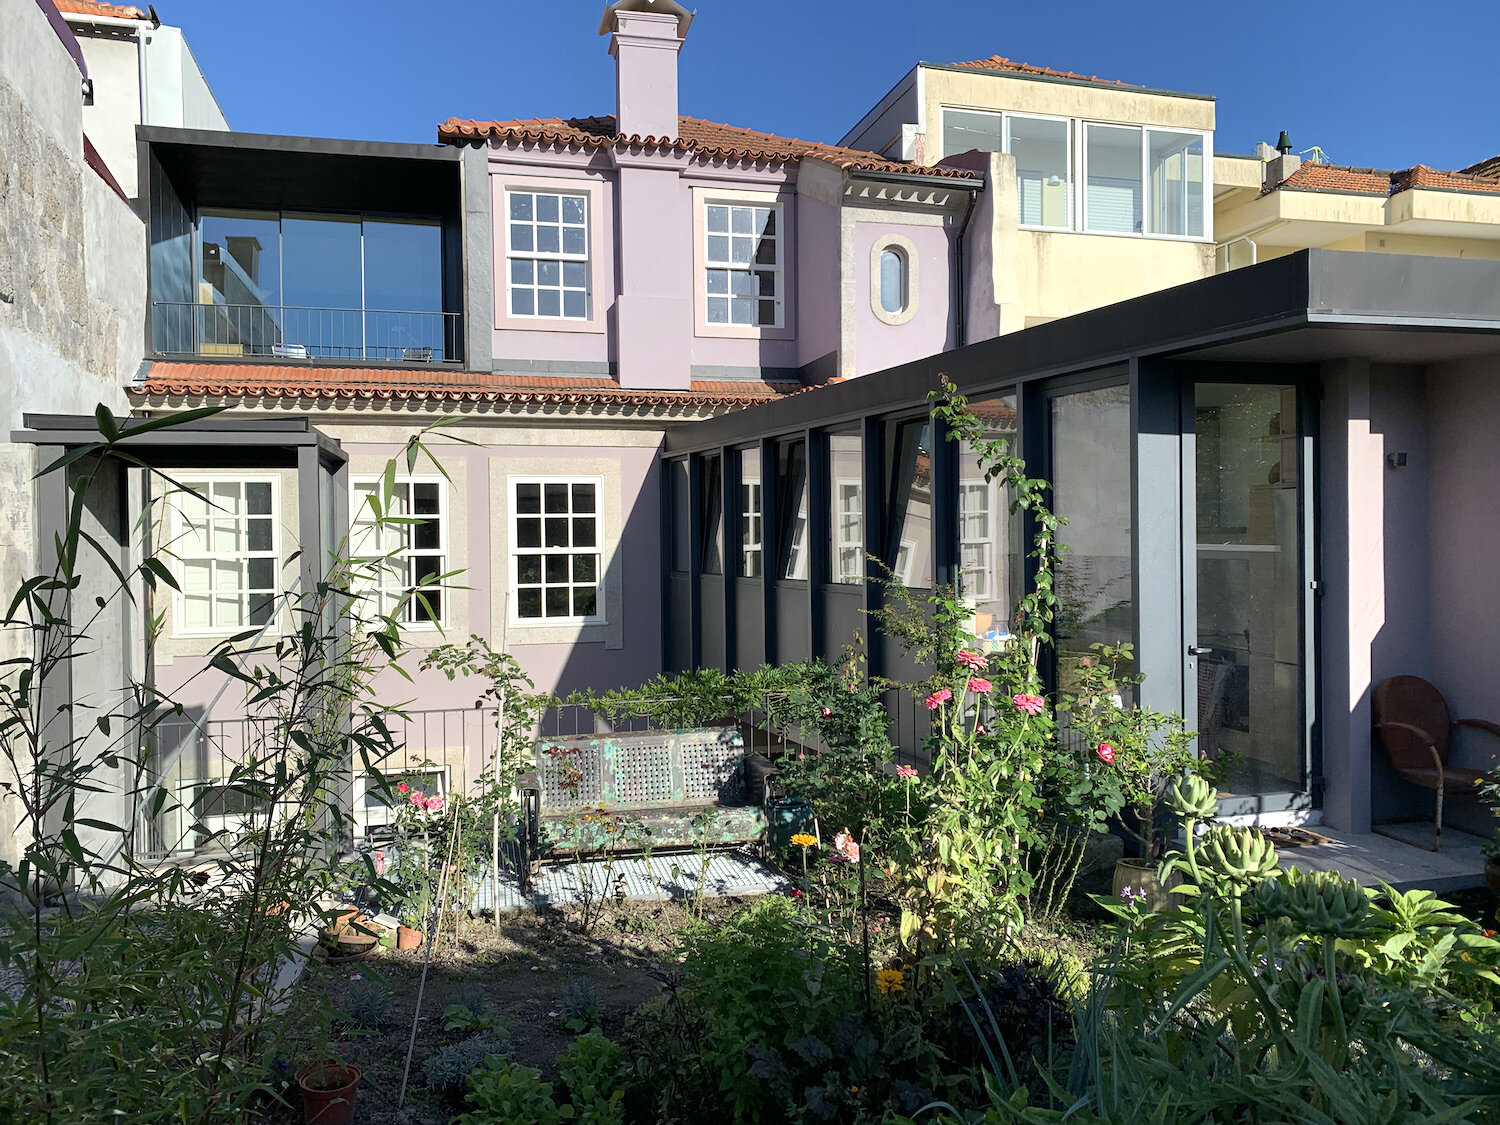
(72, 281)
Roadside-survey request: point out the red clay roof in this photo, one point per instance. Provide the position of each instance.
(1007, 66)
(702, 138)
(1490, 167)
(1378, 181)
(287, 381)
(98, 8)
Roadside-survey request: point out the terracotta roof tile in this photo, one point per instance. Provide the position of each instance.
(1378, 181)
(190, 379)
(701, 138)
(1007, 66)
(1490, 167)
(98, 8)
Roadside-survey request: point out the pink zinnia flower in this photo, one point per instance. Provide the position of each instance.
(1031, 704)
(907, 772)
(826, 712)
(973, 661)
(979, 686)
(938, 698)
(845, 848)
(1106, 753)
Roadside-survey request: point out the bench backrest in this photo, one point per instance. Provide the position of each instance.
(643, 770)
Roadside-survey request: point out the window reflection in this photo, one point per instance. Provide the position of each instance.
(990, 550)
(711, 559)
(846, 507)
(751, 524)
(1091, 490)
(791, 507)
(909, 488)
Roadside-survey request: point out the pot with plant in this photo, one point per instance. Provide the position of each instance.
(1135, 755)
(328, 1092)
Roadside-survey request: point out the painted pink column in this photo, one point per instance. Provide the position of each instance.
(645, 47)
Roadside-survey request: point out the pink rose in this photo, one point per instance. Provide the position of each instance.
(417, 799)
(979, 686)
(402, 788)
(938, 698)
(434, 804)
(1031, 704)
(1106, 753)
(971, 660)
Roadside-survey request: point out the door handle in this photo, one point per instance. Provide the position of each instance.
(1199, 650)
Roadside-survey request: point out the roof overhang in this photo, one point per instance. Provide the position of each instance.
(216, 439)
(1312, 306)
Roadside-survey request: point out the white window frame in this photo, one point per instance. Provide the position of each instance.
(367, 817)
(751, 268)
(977, 585)
(536, 256)
(180, 525)
(368, 608)
(752, 517)
(1078, 170)
(601, 610)
(845, 487)
(781, 202)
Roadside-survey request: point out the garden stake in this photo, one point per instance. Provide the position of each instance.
(411, 1043)
(864, 921)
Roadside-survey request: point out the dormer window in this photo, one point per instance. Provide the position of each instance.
(742, 280)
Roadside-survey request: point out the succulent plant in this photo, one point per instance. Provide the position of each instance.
(366, 1003)
(1241, 855)
(1192, 798)
(471, 996)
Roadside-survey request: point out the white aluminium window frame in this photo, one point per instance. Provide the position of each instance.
(218, 560)
(1144, 131)
(751, 269)
(375, 599)
(517, 550)
(976, 502)
(537, 257)
(848, 531)
(1071, 124)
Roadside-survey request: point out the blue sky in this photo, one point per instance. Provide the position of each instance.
(1384, 84)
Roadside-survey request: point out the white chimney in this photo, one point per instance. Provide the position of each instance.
(645, 36)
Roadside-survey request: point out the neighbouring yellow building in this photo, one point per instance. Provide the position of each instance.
(1102, 191)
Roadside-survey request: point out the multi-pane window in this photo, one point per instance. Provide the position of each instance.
(791, 502)
(990, 555)
(743, 264)
(751, 518)
(548, 254)
(226, 542)
(845, 469)
(403, 554)
(976, 549)
(555, 550)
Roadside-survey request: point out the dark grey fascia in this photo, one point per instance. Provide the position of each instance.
(201, 435)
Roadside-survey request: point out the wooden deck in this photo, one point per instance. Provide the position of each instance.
(1371, 858)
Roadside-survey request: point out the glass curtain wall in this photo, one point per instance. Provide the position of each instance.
(791, 508)
(991, 551)
(1090, 470)
(908, 483)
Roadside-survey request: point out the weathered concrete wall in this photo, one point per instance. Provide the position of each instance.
(114, 65)
(72, 278)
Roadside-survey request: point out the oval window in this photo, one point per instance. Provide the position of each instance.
(892, 280)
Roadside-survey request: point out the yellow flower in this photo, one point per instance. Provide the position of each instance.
(803, 840)
(889, 980)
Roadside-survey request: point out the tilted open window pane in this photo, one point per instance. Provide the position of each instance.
(742, 284)
(966, 130)
(1175, 166)
(677, 485)
(908, 488)
(751, 518)
(791, 508)
(990, 550)
(711, 558)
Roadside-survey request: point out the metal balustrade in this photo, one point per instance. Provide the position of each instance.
(288, 332)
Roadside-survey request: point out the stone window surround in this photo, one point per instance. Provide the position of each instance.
(445, 521)
(178, 525)
(908, 250)
(601, 273)
(785, 201)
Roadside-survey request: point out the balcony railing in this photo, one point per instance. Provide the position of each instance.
(297, 332)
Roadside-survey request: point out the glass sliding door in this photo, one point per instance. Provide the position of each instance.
(1249, 659)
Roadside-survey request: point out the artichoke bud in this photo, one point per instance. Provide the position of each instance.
(1324, 903)
(1242, 855)
(1268, 898)
(1192, 798)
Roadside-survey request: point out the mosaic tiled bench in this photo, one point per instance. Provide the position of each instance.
(661, 779)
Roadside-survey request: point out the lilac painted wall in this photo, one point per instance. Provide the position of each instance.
(878, 345)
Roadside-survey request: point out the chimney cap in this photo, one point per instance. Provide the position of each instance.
(659, 7)
(1284, 143)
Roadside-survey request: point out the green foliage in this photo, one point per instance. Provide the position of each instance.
(579, 1002)
(366, 1004)
(505, 1094)
(593, 1073)
(448, 1068)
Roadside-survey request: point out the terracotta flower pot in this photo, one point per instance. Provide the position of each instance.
(328, 1092)
(1139, 876)
(408, 938)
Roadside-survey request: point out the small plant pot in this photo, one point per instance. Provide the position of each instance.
(1140, 875)
(408, 938)
(328, 1092)
(354, 944)
(1492, 874)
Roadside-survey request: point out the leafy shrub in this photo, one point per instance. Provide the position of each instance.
(503, 1094)
(366, 1004)
(593, 1071)
(448, 1069)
